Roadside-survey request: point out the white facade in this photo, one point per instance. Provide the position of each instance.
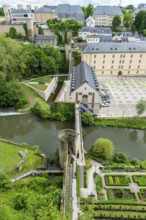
(86, 31)
(92, 39)
(90, 22)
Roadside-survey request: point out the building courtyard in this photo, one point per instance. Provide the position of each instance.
(124, 94)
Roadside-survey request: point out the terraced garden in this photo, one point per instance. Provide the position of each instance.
(142, 194)
(117, 180)
(110, 211)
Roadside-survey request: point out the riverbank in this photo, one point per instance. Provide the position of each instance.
(135, 123)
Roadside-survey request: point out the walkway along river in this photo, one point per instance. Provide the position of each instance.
(34, 131)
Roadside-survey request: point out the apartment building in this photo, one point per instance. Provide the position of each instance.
(104, 15)
(43, 14)
(17, 16)
(128, 59)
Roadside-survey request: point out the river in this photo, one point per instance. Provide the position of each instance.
(34, 131)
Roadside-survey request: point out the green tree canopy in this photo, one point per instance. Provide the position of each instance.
(140, 107)
(12, 33)
(140, 21)
(87, 118)
(1, 11)
(103, 148)
(116, 22)
(88, 11)
(128, 18)
(120, 158)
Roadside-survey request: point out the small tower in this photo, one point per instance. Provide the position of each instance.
(30, 28)
(7, 13)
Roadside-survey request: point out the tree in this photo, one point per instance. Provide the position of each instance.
(140, 21)
(120, 158)
(116, 22)
(103, 148)
(40, 31)
(128, 20)
(41, 109)
(12, 33)
(1, 11)
(130, 7)
(140, 107)
(87, 118)
(88, 11)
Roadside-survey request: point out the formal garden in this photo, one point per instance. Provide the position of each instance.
(117, 180)
(140, 179)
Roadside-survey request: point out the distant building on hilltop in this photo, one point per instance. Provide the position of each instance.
(104, 15)
(43, 14)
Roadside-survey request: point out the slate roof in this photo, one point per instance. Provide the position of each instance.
(83, 73)
(20, 11)
(108, 10)
(45, 37)
(101, 30)
(70, 11)
(115, 47)
(44, 10)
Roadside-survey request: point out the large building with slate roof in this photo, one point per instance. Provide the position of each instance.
(116, 58)
(66, 11)
(84, 85)
(104, 15)
(43, 14)
(101, 31)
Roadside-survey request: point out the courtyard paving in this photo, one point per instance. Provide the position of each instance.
(124, 93)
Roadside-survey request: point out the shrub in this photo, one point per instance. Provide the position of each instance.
(41, 109)
(120, 158)
(87, 118)
(103, 148)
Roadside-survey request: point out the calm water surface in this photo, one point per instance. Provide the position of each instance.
(29, 129)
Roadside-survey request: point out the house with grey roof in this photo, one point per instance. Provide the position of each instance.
(84, 85)
(104, 15)
(112, 58)
(90, 22)
(43, 40)
(101, 31)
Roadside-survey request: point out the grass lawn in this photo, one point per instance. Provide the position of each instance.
(44, 79)
(137, 123)
(9, 158)
(31, 95)
(41, 87)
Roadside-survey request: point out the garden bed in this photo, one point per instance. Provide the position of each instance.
(139, 179)
(120, 194)
(142, 194)
(117, 180)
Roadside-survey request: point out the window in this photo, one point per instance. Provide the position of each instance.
(112, 61)
(138, 67)
(111, 67)
(25, 15)
(103, 56)
(113, 56)
(139, 61)
(94, 56)
(121, 56)
(130, 61)
(103, 61)
(102, 72)
(140, 55)
(111, 72)
(94, 61)
(123, 61)
(102, 67)
(129, 67)
(128, 72)
(124, 56)
(90, 93)
(131, 55)
(137, 72)
(80, 93)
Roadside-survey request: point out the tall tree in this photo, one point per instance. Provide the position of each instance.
(140, 21)
(1, 12)
(12, 33)
(88, 11)
(140, 107)
(116, 22)
(128, 20)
